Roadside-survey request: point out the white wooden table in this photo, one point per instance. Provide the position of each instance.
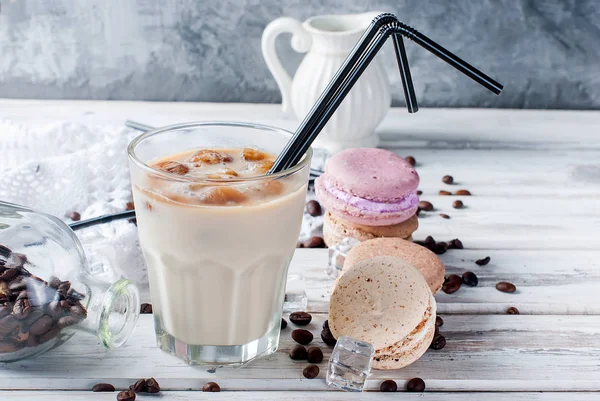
(535, 210)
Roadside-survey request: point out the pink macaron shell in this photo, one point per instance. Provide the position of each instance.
(356, 215)
(370, 173)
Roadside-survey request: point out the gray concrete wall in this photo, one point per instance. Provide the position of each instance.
(546, 52)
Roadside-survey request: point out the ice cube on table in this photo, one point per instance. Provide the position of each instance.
(350, 364)
(337, 256)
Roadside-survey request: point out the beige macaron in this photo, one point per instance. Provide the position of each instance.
(430, 266)
(384, 301)
(335, 229)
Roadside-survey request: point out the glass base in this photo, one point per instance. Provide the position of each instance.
(217, 355)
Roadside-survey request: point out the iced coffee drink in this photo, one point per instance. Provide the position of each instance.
(217, 235)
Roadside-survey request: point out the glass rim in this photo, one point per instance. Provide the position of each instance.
(175, 177)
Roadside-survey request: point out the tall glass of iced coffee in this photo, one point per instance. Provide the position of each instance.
(217, 235)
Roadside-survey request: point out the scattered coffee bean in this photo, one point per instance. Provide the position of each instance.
(315, 355)
(470, 279)
(455, 244)
(74, 216)
(416, 385)
(300, 318)
(326, 324)
(438, 342)
(283, 323)
(512, 311)
(444, 193)
(129, 206)
(298, 353)
(311, 371)
(211, 387)
(388, 386)
(458, 204)
(439, 321)
(505, 286)
(484, 261)
(429, 240)
(126, 395)
(302, 336)
(448, 179)
(328, 338)
(411, 160)
(152, 386)
(314, 242)
(419, 192)
(444, 216)
(300, 244)
(425, 205)
(436, 331)
(439, 248)
(146, 309)
(314, 208)
(103, 388)
(139, 386)
(463, 192)
(452, 284)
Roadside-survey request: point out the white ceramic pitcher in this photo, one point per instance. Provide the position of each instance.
(328, 39)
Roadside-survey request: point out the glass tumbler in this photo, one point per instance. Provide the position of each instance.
(217, 272)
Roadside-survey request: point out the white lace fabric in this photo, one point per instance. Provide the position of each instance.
(62, 167)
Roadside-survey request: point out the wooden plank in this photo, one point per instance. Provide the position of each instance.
(300, 396)
(548, 281)
(483, 353)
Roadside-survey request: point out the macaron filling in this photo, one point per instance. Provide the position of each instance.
(407, 202)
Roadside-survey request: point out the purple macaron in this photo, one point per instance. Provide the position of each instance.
(374, 187)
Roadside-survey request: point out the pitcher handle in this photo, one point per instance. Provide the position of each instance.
(301, 42)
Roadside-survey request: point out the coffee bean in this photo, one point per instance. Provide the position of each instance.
(315, 355)
(283, 323)
(512, 311)
(448, 179)
(311, 371)
(40, 326)
(455, 244)
(152, 386)
(5, 251)
(126, 395)
(463, 192)
(505, 286)
(67, 321)
(146, 309)
(314, 242)
(298, 353)
(17, 285)
(388, 386)
(139, 386)
(300, 318)
(302, 336)
(439, 321)
(452, 284)
(425, 205)
(23, 295)
(444, 216)
(419, 192)
(328, 337)
(458, 204)
(436, 331)
(416, 385)
(411, 160)
(429, 240)
(444, 193)
(21, 309)
(9, 274)
(326, 324)
(78, 311)
(75, 216)
(300, 244)
(211, 387)
(438, 342)
(484, 261)
(54, 282)
(8, 324)
(439, 248)
(470, 279)
(314, 208)
(103, 388)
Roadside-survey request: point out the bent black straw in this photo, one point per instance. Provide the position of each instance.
(129, 214)
(369, 44)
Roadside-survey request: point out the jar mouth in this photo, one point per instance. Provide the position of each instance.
(212, 181)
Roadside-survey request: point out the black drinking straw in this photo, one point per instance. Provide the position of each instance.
(367, 47)
(78, 225)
